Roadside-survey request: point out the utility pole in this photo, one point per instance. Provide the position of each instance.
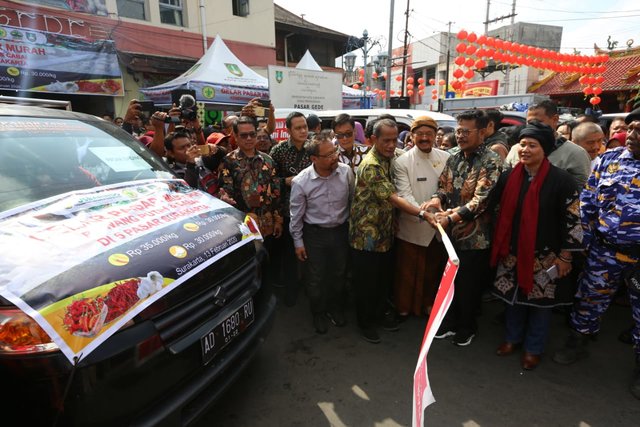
(404, 54)
(446, 79)
(509, 37)
(387, 100)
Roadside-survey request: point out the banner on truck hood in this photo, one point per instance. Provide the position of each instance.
(40, 61)
(84, 263)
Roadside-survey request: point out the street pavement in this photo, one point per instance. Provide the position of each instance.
(300, 378)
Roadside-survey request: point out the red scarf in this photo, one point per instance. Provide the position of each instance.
(528, 223)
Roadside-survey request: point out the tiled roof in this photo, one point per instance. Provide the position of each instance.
(623, 73)
(283, 16)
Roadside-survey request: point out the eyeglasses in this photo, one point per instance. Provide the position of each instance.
(334, 153)
(425, 134)
(463, 131)
(247, 135)
(344, 135)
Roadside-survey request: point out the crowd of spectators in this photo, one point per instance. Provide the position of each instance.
(541, 215)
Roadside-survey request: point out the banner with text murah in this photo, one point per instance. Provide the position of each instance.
(84, 263)
(40, 61)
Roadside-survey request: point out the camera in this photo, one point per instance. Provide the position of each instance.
(188, 110)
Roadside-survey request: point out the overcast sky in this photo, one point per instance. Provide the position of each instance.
(592, 23)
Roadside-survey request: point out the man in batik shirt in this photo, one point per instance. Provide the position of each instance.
(248, 178)
(462, 200)
(350, 152)
(371, 231)
(610, 212)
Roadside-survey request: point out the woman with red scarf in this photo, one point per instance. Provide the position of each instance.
(537, 230)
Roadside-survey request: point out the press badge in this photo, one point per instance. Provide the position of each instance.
(422, 179)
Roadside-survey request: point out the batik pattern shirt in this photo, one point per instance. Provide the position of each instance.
(610, 201)
(371, 217)
(288, 161)
(465, 185)
(354, 159)
(251, 182)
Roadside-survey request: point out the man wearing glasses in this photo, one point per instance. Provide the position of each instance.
(350, 153)
(290, 158)
(420, 257)
(461, 202)
(248, 178)
(320, 199)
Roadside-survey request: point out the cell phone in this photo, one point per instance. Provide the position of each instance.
(204, 149)
(265, 102)
(260, 111)
(552, 272)
(146, 108)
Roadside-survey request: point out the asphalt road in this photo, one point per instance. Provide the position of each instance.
(300, 378)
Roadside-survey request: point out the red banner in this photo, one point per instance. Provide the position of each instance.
(422, 395)
(487, 88)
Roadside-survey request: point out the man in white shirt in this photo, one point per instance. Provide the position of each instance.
(319, 207)
(420, 256)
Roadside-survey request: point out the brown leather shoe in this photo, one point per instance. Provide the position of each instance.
(530, 361)
(506, 348)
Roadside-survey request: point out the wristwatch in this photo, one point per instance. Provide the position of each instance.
(421, 214)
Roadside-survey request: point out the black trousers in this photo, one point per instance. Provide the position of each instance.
(470, 281)
(325, 268)
(372, 276)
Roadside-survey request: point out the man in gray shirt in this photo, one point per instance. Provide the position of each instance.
(319, 207)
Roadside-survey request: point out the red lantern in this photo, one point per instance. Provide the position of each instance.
(368, 88)
(583, 80)
(409, 86)
(434, 91)
(455, 84)
(410, 80)
(470, 49)
(462, 35)
(469, 74)
(410, 92)
(469, 62)
(491, 53)
(374, 75)
(421, 92)
(595, 100)
(356, 86)
(499, 44)
(588, 90)
(434, 97)
(507, 45)
(599, 80)
(480, 63)
(420, 80)
(421, 87)
(459, 60)
(432, 81)
(482, 39)
(398, 78)
(441, 82)
(491, 42)
(361, 71)
(472, 37)
(457, 73)
(597, 90)
(361, 78)
(461, 47)
(383, 95)
(480, 53)
(591, 80)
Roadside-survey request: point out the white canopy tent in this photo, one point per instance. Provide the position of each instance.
(219, 77)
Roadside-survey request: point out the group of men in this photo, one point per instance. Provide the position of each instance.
(331, 208)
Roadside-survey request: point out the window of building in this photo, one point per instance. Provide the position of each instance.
(132, 9)
(171, 12)
(240, 7)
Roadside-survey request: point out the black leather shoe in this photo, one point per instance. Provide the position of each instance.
(337, 318)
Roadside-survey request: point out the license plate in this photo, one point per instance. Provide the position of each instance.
(226, 331)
